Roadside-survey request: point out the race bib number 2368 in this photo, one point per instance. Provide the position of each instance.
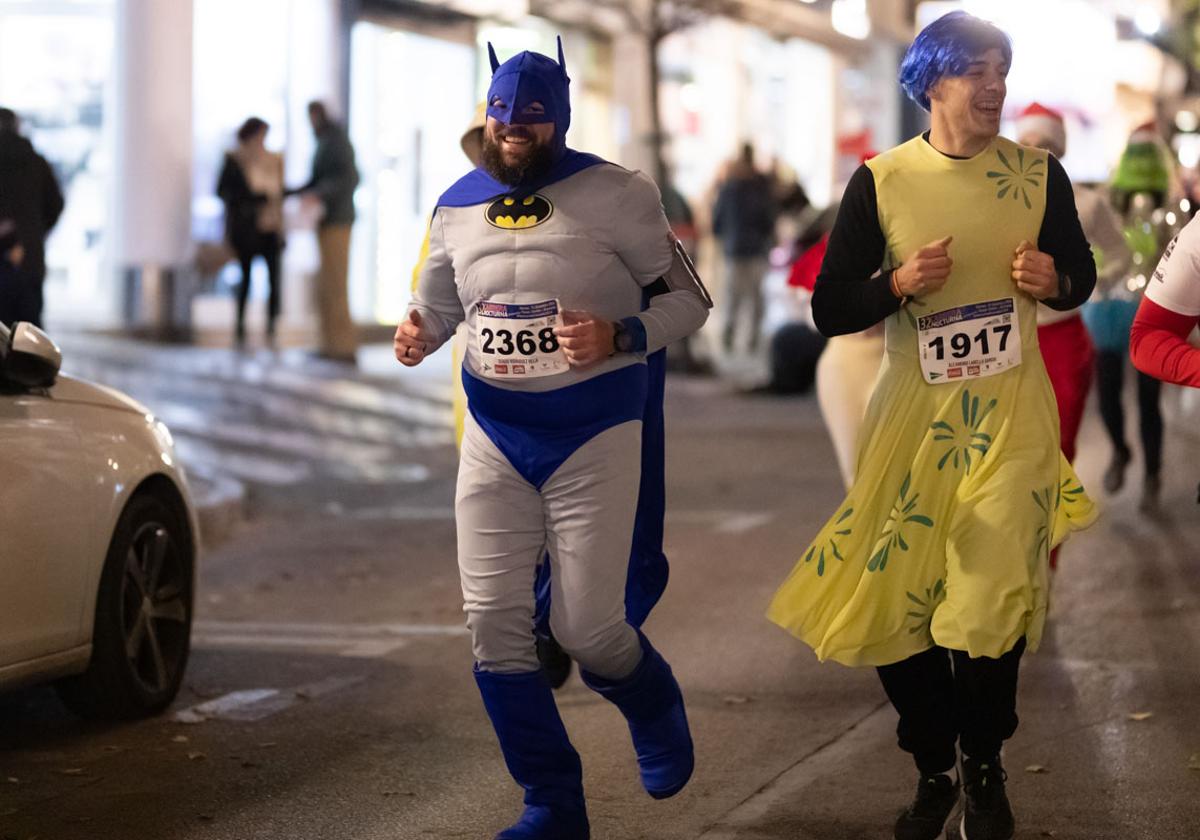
(969, 342)
(517, 340)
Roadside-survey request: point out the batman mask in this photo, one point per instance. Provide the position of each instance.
(529, 78)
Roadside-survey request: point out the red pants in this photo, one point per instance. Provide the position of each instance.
(1070, 359)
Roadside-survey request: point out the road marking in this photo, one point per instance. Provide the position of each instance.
(723, 521)
(356, 641)
(253, 704)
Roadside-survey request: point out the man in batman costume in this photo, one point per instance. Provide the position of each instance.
(563, 268)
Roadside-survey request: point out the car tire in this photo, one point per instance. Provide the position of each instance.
(142, 632)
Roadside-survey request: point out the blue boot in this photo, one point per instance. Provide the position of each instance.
(652, 704)
(538, 754)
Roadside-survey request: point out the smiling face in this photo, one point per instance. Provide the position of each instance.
(513, 152)
(518, 143)
(972, 103)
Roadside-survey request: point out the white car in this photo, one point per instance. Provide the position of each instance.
(98, 539)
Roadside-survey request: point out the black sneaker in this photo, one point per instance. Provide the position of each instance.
(1114, 476)
(987, 814)
(925, 817)
(555, 661)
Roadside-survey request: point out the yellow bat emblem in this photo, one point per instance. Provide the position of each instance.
(510, 214)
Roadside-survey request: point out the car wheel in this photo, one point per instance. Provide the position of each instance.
(143, 622)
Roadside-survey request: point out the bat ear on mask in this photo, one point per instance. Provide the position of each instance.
(496, 62)
(562, 61)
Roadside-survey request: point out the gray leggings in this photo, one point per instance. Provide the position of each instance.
(584, 516)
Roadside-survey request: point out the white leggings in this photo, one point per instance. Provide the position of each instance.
(846, 374)
(584, 516)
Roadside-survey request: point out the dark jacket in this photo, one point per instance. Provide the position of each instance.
(241, 207)
(744, 216)
(30, 197)
(334, 175)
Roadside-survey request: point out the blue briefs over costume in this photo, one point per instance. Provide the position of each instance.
(538, 431)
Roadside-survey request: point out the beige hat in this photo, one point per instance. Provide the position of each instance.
(472, 139)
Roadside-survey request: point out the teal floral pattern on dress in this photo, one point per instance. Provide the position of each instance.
(968, 438)
(1016, 180)
(923, 608)
(831, 543)
(903, 513)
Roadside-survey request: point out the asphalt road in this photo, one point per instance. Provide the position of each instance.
(330, 694)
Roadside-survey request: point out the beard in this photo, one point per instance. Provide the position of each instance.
(530, 167)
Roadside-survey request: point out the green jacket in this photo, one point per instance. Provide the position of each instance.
(334, 175)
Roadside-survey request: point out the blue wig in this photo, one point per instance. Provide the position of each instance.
(947, 47)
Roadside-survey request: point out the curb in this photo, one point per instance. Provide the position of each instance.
(220, 502)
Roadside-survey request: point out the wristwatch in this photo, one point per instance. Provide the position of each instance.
(622, 338)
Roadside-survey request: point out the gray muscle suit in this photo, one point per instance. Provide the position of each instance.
(605, 239)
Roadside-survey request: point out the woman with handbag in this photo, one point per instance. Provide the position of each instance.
(251, 185)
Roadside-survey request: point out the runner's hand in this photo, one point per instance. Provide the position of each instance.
(411, 341)
(1034, 272)
(584, 337)
(926, 271)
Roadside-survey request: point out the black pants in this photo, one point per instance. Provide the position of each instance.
(268, 246)
(20, 295)
(944, 696)
(1110, 378)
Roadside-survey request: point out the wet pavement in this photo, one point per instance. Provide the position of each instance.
(330, 696)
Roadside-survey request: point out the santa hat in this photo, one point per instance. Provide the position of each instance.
(1039, 121)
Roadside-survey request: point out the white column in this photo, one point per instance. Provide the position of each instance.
(152, 195)
(153, 186)
(631, 93)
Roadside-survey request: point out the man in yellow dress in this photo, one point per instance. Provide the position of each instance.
(934, 568)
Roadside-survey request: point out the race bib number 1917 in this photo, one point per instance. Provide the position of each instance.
(517, 340)
(969, 342)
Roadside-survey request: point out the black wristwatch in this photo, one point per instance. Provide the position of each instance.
(622, 338)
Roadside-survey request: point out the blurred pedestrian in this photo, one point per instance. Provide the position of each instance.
(251, 185)
(1140, 188)
(1064, 341)
(744, 220)
(333, 181)
(934, 568)
(30, 204)
(682, 354)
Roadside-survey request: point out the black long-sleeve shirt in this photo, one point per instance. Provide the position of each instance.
(850, 297)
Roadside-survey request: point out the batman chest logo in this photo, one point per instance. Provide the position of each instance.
(519, 214)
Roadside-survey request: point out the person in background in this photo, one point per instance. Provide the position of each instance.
(848, 366)
(332, 184)
(30, 204)
(682, 354)
(1139, 189)
(744, 221)
(251, 186)
(1168, 313)
(1064, 340)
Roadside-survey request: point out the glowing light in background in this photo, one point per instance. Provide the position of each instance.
(850, 18)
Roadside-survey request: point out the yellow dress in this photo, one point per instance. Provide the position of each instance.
(961, 489)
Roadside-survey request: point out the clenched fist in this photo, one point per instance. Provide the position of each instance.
(1034, 272)
(584, 337)
(411, 341)
(926, 271)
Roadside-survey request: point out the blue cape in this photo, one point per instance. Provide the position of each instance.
(477, 186)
